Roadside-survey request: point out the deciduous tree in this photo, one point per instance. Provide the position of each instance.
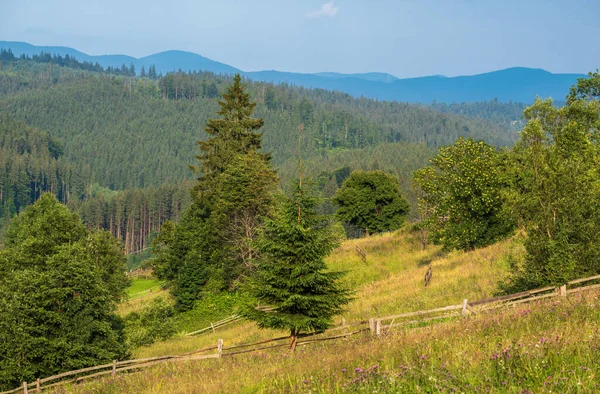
(371, 200)
(462, 196)
(59, 288)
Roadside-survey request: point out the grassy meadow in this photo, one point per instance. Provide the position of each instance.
(551, 346)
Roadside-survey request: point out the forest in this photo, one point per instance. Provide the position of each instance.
(102, 119)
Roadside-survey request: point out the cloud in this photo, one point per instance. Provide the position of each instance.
(327, 10)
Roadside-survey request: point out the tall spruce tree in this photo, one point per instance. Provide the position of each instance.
(232, 134)
(213, 247)
(292, 277)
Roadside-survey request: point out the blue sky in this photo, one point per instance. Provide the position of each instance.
(406, 38)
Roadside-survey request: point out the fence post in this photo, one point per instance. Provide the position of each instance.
(25, 387)
(372, 325)
(562, 291)
(220, 348)
(378, 328)
(114, 368)
(464, 308)
(37, 384)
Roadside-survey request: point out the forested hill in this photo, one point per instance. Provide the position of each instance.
(518, 84)
(117, 148)
(153, 127)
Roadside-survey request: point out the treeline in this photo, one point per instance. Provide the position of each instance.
(133, 215)
(508, 114)
(7, 56)
(30, 164)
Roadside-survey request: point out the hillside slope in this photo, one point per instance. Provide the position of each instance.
(541, 347)
(107, 121)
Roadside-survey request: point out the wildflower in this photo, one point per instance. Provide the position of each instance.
(343, 369)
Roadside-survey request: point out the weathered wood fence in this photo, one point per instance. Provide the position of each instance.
(376, 326)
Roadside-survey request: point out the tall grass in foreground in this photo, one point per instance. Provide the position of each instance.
(547, 346)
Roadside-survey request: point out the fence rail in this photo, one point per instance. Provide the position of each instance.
(375, 328)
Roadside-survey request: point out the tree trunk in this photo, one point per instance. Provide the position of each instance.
(293, 340)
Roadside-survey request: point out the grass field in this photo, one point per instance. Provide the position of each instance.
(551, 346)
(142, 286)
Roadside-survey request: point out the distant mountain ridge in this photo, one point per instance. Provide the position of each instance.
(518, 84)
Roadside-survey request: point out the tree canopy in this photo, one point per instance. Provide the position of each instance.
(557, 188)
(462, 196)
(59, 287)
(371, 200)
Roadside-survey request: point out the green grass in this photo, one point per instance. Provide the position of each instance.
(142, 286)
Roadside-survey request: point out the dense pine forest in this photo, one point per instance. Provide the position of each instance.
(117, 148)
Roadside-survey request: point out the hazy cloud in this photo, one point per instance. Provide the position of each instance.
(327, 10)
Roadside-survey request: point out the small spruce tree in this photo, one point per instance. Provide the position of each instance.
(291, 277)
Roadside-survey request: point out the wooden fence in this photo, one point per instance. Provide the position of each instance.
(214, 326)
(376, 327)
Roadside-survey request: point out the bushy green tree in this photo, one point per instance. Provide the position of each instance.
(557, 188)
(291, 277)
(371, 200)
(154, 322)
(59, 288)
(461, 196)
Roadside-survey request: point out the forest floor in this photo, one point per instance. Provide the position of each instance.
(546, 346)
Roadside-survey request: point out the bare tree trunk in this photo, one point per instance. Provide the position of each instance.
(293, 340)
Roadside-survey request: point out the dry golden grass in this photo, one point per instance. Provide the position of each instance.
(390, 282)
(392, 279)
(548, 346)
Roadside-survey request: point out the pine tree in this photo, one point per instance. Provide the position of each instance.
(291, 277)
(213, 247)
(232, 134)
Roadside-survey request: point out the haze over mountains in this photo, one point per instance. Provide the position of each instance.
(516, 84)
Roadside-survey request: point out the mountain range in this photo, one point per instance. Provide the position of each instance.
(517, 84)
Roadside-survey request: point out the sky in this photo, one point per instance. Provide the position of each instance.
(406, 38)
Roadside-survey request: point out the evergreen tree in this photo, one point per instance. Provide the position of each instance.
(232, 134)
(291, 277)
(213, 247)
(59, 288)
